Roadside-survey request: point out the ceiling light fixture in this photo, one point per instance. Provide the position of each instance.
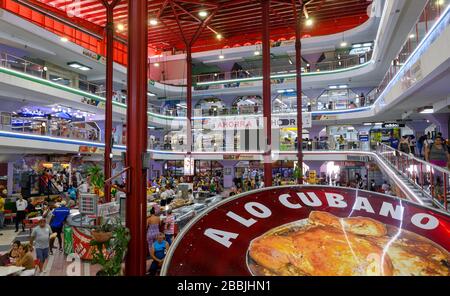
(256, 53)
(203, 13)
(344, 44)
(85, 68)
(156, 64)
(412, 36)
(153, 22)
(219, 36)
(120, 27)
(309, 22)
(440, 2)
(64, 39)
(151, 94)
(221, 57)
(427, 110)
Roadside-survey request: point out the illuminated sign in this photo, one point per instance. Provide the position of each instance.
(312, 230)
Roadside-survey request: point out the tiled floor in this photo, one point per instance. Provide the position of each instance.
(58, 264)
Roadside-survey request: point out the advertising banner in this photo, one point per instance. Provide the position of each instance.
(313, 230)
(81, 243)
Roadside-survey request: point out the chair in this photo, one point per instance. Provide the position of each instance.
(10, 216)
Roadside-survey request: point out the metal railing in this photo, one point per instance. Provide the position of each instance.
(255, 73)
(50, 128)
(428, 178)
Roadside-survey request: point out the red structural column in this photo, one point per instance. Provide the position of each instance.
(109, 95)
(189, 97)
(267, 99)
(298, 68)
(136, 205)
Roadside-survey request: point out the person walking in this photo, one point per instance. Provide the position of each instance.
(437, 153)
(21, 206)
(169, 226)
(153, 223)
(40, 236)
(59, 216)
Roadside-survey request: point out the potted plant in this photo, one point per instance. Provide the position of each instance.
(97, 178)
(103, 232)
(111, 253)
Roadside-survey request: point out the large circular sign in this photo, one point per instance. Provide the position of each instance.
(313, 230)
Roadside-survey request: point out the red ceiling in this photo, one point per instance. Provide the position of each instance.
(238, 21)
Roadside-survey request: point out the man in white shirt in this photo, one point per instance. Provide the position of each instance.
(21, 206)
(83, 188)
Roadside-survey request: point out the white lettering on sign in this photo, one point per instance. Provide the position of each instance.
(312, 201)
(363, 204)
(425, 221)
(335, 200)
(285, 202)
(258, 210)
(243, 221)
(220, 236)
(387, 209)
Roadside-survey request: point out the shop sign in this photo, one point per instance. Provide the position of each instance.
(230, 123)
(189, 166)
(364, 138)
(292, 121)
(94, 56)
(88, 204)
(246, 157)
(312, 230)
(231, 157)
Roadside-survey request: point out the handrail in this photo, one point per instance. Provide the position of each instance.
(435, 167)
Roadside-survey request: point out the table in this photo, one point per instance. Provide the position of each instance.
(10, 270)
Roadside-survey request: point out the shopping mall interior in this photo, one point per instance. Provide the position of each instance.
(286, 133)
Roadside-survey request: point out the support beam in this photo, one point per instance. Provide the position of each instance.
(109, 94)
(136, 206)
(189, 97)
(267, 98)
(298, 70)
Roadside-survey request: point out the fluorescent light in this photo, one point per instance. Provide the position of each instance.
(203, 13)
(153, 22)
(412, 36)
(357, 45)
(427, 111)
(333, 87)
(64, 39)
(367, 44)
(281, 91)
(156, 64)
(256, 53)
(221, 57)
(151, 94)
(344, 44)
(290, 61)
(85, 68)
(343, 86)
(290, 90)
(75, 65)
(440, 2)
(378, 123)
(367, 123)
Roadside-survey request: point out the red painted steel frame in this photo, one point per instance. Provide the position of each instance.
(267, 100)
(109, 93)
(298, 68)
(136, 206)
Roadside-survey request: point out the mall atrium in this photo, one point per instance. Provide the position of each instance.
(299, 137)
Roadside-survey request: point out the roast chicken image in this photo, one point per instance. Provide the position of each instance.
(325, 245)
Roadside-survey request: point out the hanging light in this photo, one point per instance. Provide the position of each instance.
(219, 36)
(309, 22)
(120, 27)
(203, 13)
(153, 22)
